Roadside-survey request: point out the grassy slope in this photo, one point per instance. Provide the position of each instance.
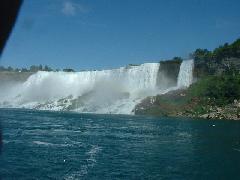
(215, 94)
(212, 94)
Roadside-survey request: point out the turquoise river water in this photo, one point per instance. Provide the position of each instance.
(56, 145)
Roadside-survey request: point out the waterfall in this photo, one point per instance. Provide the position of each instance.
(115, 91)
(106, 91)
(185, 76)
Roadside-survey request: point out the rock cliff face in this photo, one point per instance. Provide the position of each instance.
(199, 100)
(202, 68)
(168, 73)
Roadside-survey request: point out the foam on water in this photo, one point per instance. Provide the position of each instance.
(89, 163)
(43, 143)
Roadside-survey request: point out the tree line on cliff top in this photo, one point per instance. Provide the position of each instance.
(218, 54)
(33, 68)
(225, 58)
(218, 74)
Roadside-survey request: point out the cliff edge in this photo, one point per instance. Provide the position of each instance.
(214, 93)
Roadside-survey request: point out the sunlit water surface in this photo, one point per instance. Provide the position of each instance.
(53, 145)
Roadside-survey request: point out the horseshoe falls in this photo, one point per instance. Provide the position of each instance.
(115, 91)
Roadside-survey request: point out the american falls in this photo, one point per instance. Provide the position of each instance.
(115, 91)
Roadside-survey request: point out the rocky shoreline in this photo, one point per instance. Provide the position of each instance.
(231, 111)
(178, 104)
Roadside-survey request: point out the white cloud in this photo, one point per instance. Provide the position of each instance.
(70, 9)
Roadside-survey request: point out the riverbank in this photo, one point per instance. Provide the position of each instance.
(175, 104)
(215, 97)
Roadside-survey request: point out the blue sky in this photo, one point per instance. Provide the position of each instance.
(100, 34)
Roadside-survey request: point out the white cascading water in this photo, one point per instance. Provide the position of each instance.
(107, 91)
(114, 91)
(185, 76)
